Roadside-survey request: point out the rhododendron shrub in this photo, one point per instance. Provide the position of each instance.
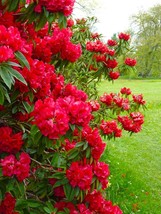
(51, 132)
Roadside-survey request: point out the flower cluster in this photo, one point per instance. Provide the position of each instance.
(92, 136)
(63, 6)
(20, 168)
(58, 42)
(7, 206)
(124, 36)
(110, 128)
(132, 123)
(10, 142)
(116, 100)
(130, 62)
(98, 204)
(80, 175)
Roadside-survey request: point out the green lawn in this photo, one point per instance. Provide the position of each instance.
(135, 162)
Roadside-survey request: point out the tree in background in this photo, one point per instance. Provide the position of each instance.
(147, 42)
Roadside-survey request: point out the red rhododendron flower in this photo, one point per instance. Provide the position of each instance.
(125, 91)
(111, 42)
(101, 170)
(80, 175)
(139, 99)
(97, 46)
(7, 206)
(8, 165)
(70, 22)
(51, 118)
(64, 6)
(130, 62)
(124, 36)
(98, 204)
(94, 105)
(111, 63)
(110, 128)
(121, 102)
(71, 52)
(114, 75)
(22, 167)
(10, 142)
(132, 123)
(6, 53)
(107, 99)
(80, 113)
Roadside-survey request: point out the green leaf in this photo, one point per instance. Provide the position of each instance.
(34, 203)
(13, 64)
(61, 182)
(1, 96)
(13, 5)
(22, 59)
(6, 77)
(34, 130)
(79, 144)
(58, 175)
(17, 75)
(88, 152)
(41, 22)
(55, 159)
(27, 107)
(73, 153)
(70, 192)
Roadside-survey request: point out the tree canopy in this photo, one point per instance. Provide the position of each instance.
(147, 33)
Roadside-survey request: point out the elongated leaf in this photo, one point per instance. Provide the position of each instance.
(61, 182)
(27, 107)
(22, 59)
(17, 75)
(1, 96)
(13, 64)
(6, 77)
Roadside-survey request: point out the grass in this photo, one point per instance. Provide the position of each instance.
(135, 161)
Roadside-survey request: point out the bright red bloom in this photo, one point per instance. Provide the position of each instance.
(7, 206)
(80, 113)
(130, 62)
(8, 165)
(22, 167)
(132, 123)
(94, 105)
(64, 6)
(111, 42)
(6, 53)
(125, 90)
(110, 128)
(107, 99)
(71, 52)
(124, 36)
(10, 142)
(51, 118)
(80, 175)
(97, 46)
(70, 22)
(114, 75)
(139, 99)
(111, 63)
(101, 170)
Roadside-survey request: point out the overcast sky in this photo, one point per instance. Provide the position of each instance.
(113, 15)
